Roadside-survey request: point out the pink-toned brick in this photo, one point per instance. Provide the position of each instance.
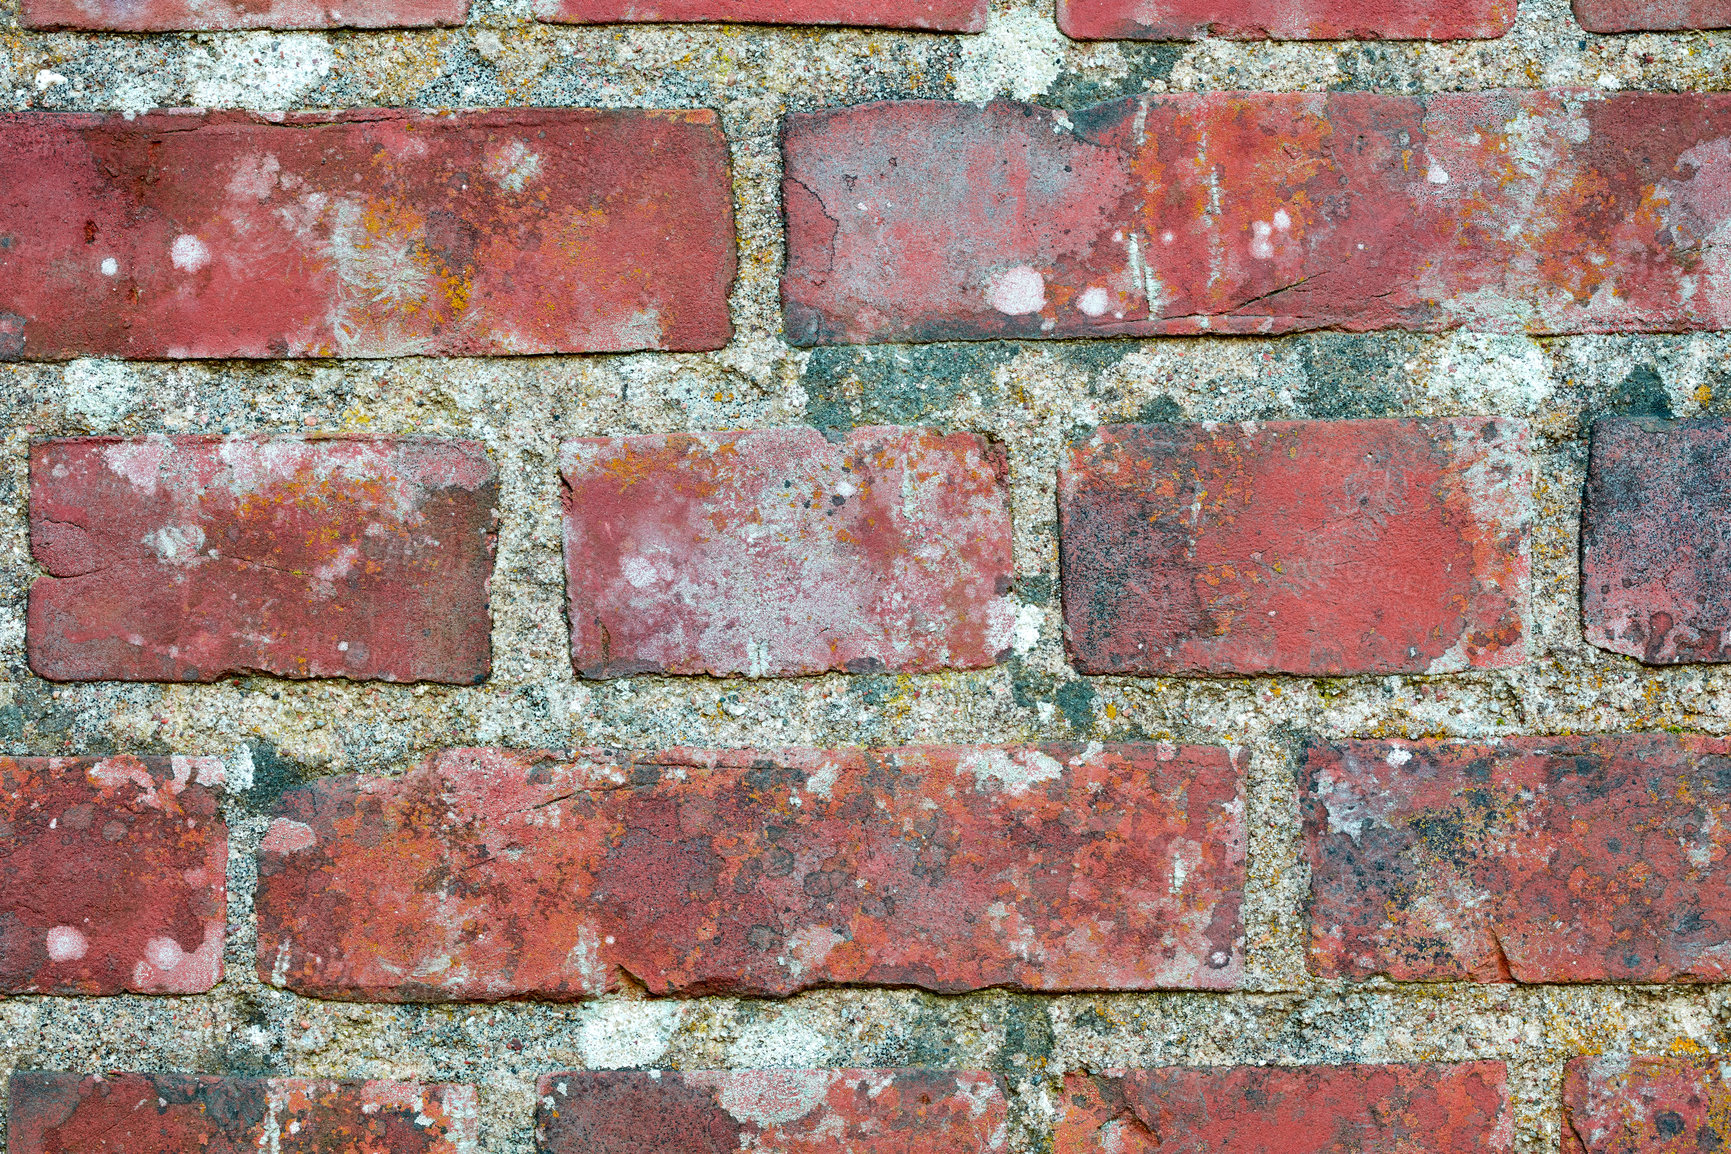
(1432, 1107)
(1533, 859)
(1236, 212)
(188, 558)
(931, 15)
(777, 553)
(374, 233)
(1652, 15)
(786, 1111)
(1285, 19)
(125, 1113)
(487, 874)
(220, 15)
(1656, 540)
(112, 875)
(1624, 1104)
(1311, 547)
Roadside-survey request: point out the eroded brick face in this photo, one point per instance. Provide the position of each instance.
(365, 234)
(112, 875)
(1398, 1109)
(1656, 540)
(218, 15)
(1536, 859)
(1624, 1104)
(1312, 547)
(931, 220)
(1284, 19)
(1652, 15)
(188, 558)
(778, 553)
(53, 1113)
(486, 874)
(788, 1111)
(932, 15)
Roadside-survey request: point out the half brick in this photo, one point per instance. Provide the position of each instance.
(1656, 540)
(928, 15)
(375, 233)
(808, 1111)
(1618, 1103)
(777, 553)
(1441, 1108)
(1285, 19)
(223, 15)
(188, 558)
(112, 875)
(1652, 15)
(1235, 212)
(486, 874)
(1310, 547)
(1533, 859)
(53, 1113)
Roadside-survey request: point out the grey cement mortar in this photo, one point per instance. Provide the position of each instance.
(1033, 396)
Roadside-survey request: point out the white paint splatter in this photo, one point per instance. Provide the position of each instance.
(1260, 246)
(1018, 291)
(512, 165)
(287, 836)
(1093, 302)
(66, 944)
(189, 253)
(1437, 174)
(770, 1097)
(110, 266)
(1015, 773)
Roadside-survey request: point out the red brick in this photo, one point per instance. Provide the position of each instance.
(126, 1113)
(1618, 1104)
(1432, 1107)
(1539, 212)
(1310, 547)
(932, 15)
(1652, 15)
(218, 15)
(788, 1111)
(1656, 540)
(1285, 19)
(112, 875)
(188, 558)
(777, 553)
(375, 233)
(1536, 859)
(487, 874)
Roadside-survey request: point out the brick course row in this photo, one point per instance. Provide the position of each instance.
(383, 233)
(1611, 1105)
(1308, 547)
(1080, 19)
(490, 874)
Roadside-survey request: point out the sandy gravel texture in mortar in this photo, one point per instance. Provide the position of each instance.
(272, 734)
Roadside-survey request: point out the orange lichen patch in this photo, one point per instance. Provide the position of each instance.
(485, 874)
(188, 558)
(1614, 1103)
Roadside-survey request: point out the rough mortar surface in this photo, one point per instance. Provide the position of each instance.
(1033, 397)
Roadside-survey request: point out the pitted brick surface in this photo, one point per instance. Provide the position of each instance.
(188, 558)
(485, 874)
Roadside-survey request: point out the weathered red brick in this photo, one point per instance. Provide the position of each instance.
(112, 875)
(125, 1113)
(1539, 212)
(1619, 1104)
(1432, 1107)
(1313, 547)
(788, 1111)
(363, 234)
(777, 553)
(1284, 19)
(218, 15)
(1536, 859)
(1656, 540)
(188, 558)
(932, 15)
(1652, 15)
(487, 874)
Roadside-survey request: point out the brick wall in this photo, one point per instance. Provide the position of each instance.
(942, 576)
